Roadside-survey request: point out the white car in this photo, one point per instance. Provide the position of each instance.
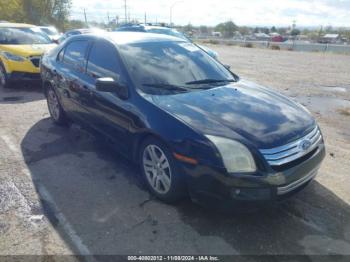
(51, 32)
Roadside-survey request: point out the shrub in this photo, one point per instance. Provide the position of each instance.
(213, 42)
(275, 47)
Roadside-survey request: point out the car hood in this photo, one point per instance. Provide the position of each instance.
(241, 110)
(27, 50)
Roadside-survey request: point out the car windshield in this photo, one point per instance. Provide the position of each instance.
(166, 31)
(172, 66)
(22, 36)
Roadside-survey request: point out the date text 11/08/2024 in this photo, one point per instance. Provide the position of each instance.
(173, 258)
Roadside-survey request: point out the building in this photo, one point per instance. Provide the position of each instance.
(216, 34)
(330, 39)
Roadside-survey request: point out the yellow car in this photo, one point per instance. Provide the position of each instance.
(21, 48)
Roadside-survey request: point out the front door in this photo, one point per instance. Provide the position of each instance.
(109, 112)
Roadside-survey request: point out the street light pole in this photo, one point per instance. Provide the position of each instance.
(125, 7)
(171, 12)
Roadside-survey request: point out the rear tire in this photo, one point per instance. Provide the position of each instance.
(161, 172)
(4, 82)
(56, 111)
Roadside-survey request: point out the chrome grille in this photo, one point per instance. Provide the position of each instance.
(287, 153)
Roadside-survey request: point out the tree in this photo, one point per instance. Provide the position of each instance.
(244, 30)
(227, 29)
(74, 24)
(282, 30)
(203, 29)
(273, 29)
(295, 32)
(266, 30)
(306, 31)
(12, 11)
(329, 29)
(36, 12)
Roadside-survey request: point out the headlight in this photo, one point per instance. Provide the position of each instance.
(236, 157)
(13, 57)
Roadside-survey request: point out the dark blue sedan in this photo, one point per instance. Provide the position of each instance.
(193, 126)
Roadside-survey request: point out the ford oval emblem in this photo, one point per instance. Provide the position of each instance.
(305, 144)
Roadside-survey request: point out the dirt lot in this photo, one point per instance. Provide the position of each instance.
(63, 192)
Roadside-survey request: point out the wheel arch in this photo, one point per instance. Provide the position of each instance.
(45, 86)
(141, 138)
(3, 64)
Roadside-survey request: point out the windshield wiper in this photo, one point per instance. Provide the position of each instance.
(168, 87)
(209, 81)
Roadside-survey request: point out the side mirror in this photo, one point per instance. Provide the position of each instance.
(107, 84)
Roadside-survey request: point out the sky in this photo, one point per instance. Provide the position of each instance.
(212, 12)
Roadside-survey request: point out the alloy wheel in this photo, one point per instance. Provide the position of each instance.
(53, 104)
(157, 168)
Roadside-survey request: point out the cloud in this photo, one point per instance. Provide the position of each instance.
(212, 12)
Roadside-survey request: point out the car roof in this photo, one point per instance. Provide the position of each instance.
(47, 27)
(16, 25)
(133, 28)
(145, 27)
(79, 30)
(122, 37)
(157, 27)
(86, 30)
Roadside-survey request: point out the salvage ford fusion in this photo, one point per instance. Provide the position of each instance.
(191, 124)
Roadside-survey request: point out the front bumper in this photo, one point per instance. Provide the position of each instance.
(23, 76)
(212, 187)
(29, 65)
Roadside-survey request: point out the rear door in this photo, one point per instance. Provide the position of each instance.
(71, 73)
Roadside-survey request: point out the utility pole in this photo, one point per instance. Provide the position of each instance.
(126, 17)
(145, 18)
(86, 22)
(117, 20)
(108, 17)
(171, 11)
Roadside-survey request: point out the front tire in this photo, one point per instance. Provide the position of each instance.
(4, 82)
(57, 114)
(161, 171)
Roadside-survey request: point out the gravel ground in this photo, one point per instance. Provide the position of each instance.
(64, 192)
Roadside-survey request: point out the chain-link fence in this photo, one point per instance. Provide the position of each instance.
(290, 45)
